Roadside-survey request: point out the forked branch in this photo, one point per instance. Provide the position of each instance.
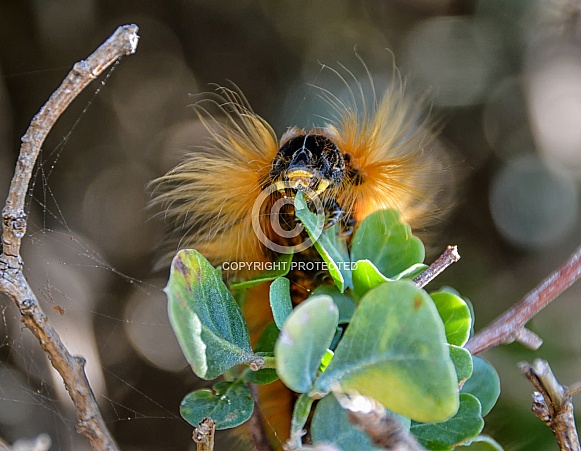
(12, 281)
(552, 403)
(509, 326)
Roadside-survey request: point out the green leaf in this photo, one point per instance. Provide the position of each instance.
(331, 424)
(338, 335)
(465, 425)
(366, 277)
(483, 443)
(344, 303)
(268, 338)
(260, 377)
(280, 300)
(387, 242)
(395, 351)
(205, 317)
(455, 315)
(330, 245)
(466, 301)
(462, 360)
(484, 384)
(326, 360)
(412, 272)
(280, 268)
(229, 404)
(301, 411)
(303, 341)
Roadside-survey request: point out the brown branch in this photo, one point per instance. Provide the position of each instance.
(386, 431)
(204, 435)
(552, 403)
(12, 280)
(449, 256)
(510, 326)
(383, 428)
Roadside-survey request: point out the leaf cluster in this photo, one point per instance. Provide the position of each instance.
(373, 335)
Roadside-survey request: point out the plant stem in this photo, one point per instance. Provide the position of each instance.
(301, 413)
(552, 403)
(262, 362)
(509, 326)
(449, 256)
(12, 280)
(204, 435)
(269, 362)
(385, 431)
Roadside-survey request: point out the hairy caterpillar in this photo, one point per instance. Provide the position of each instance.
(373, 153)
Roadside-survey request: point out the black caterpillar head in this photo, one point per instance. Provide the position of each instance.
(309, 161)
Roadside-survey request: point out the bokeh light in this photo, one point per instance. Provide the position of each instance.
(455, 57)
(149, 331)
(531, 205)
(554, 93)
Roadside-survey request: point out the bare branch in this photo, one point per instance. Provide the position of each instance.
(449, 256)
(385, 431)
(574, 389)
(383, 428)
(528, 338)
(509, 326)
(204, 435)
(12, 280)
(552, 403)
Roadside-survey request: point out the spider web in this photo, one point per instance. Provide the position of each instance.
(87, 256)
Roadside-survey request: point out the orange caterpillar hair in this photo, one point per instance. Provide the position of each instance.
(388, 145)
(388, 158)
(210, 195)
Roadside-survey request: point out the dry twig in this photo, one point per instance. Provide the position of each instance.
(552, 403)
(449, 256)
(383, 428)
(12, 280)
(510, 326)
(386, 431)
(204, 435)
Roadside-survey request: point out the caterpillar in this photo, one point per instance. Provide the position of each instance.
(373, 152)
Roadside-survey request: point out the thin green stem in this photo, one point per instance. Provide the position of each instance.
(261, 362)
(301, 413)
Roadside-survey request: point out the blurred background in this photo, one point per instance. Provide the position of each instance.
(504, 82)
